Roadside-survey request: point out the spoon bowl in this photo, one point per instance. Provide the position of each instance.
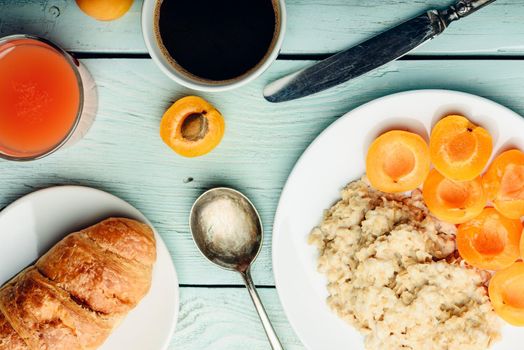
(226, 228)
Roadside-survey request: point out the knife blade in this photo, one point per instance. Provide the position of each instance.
(370, 54)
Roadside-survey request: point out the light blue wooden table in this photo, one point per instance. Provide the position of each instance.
(123, 154)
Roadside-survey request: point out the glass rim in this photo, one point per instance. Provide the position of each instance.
(71, 61)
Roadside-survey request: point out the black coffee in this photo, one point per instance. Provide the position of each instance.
(216, 39)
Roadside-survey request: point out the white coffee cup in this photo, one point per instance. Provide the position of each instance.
(181, 77)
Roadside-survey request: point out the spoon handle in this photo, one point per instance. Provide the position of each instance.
(268, 328)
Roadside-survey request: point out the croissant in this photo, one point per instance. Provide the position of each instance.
(80, 290)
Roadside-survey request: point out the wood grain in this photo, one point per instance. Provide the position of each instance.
(123, 153)
(314, 27)
(225, 319)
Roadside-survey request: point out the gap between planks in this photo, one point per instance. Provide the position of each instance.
(317, 57)
(224, 286)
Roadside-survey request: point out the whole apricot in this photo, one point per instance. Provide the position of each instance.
(105, 10)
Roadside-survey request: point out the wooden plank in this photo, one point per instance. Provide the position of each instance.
(322, 26)
(225, 319)
(123, 153)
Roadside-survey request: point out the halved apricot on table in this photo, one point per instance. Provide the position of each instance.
(506, 291)
(192, 127)
(504, 183)
(459, 149)
(397, 161)
(453, 201)
(490, 241)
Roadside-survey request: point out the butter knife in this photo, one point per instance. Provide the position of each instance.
(370, 54)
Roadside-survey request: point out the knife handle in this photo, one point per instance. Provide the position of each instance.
(461, 9)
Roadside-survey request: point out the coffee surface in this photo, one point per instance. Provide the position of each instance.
(216, 39)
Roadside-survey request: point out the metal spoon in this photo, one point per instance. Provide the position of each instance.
(228, 232)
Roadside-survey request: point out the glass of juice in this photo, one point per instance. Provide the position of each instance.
(42, 97)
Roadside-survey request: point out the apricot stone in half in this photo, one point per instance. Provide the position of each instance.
(192, 127)
(490, 241)
(504, 183)
(397, 161)
(453, 201)
(459, 149)
(506, 291)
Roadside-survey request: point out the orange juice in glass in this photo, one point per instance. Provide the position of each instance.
(41, 97)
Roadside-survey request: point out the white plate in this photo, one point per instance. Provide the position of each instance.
(335, 158)
(34, 223)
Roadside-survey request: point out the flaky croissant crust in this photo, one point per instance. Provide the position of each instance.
(80, 290)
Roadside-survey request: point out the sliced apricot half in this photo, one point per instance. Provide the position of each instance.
(490, 241)
(192, 127)
(459, 149)
(453, 201)
(506, 291)
(522, 245)
(504, 183)
(397, 161)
